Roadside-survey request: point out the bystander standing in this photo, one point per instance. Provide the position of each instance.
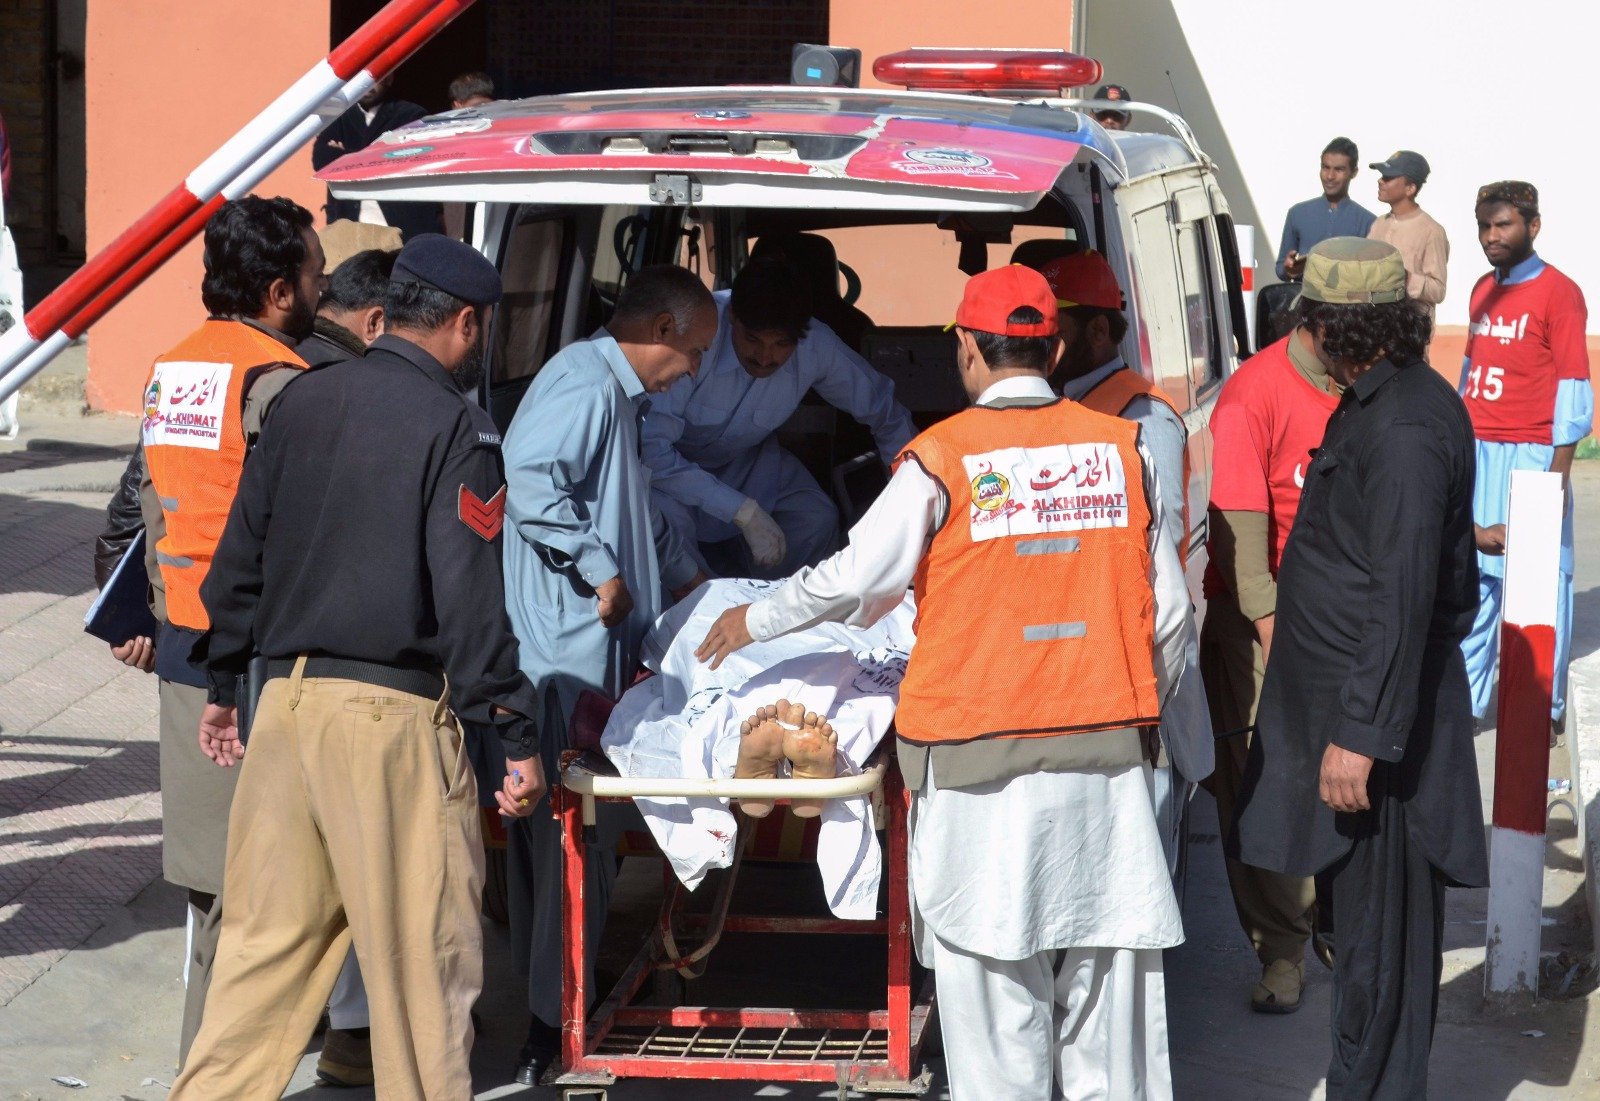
(1363, 766)
(1423, 246)
(471, 90)
(356, 821)
(1525, 379)
(375, 114)
(1332, 214)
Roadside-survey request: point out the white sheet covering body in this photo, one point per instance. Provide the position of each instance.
(684, 723)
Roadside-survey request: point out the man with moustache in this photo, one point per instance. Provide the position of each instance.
(1362, 770)
(718, 473)
(1332, 214)
(1525, 379)
(205, 402)
(589, 565)
(357, 819)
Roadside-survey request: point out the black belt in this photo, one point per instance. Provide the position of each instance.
(416, 682)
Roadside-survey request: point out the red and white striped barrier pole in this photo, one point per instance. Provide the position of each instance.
(269, 139)
(1522, 737)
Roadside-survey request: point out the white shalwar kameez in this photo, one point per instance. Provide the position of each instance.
(1042, 902)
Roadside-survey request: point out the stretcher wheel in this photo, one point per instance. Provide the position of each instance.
(496, 903)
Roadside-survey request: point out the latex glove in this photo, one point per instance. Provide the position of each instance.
(761, 531)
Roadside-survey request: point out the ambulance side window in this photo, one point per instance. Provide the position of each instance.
(1161, 313)
(534, 264)
(1199, 307)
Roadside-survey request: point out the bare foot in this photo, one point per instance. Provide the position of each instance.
(760, 752)
(810, 744)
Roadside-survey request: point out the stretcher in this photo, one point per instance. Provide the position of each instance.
(874, 1051)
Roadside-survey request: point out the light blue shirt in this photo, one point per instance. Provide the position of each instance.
(703, 436)
(579, 505)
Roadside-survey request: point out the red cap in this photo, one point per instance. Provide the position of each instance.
(1083, 279)
(992, 296)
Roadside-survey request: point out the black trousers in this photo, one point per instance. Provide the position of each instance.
(1388, 909)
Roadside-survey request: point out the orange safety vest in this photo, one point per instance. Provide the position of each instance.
(194, 446)
(1035, 615)
(1112, 396)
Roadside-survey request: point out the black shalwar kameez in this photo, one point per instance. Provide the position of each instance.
(1377, 588)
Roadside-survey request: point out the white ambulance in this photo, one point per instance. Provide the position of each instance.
(571, 193)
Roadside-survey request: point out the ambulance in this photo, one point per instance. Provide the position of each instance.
(892, 194)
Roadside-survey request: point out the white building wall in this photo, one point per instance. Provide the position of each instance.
(1483, 90)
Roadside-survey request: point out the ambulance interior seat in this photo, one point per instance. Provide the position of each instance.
(818, 263)
(1037, 253)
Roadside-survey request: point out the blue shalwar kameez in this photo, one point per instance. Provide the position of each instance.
(579, 513)
(711, 440)
(1491, 502)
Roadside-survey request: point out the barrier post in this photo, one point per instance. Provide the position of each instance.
(1245, 237)
(1522, 737)
(394, 33)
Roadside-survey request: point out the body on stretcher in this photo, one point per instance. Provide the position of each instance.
(681, 731)
(865, 1049)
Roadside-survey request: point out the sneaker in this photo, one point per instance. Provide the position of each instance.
(346, 1058)
(1280, 987)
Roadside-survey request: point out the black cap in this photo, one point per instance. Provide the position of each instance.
(1403, 162)
(1112, 91)
(445, 264)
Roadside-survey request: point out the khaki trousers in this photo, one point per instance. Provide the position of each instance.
(1275, 910)
(356, 818)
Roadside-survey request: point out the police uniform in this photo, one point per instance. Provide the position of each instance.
(362, 558)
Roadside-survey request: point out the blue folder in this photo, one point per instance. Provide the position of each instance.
(122, 610)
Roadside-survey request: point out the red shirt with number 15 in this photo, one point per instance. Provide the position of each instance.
(1524, 338)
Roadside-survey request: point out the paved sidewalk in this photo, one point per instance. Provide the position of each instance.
(81, 827)
(91, 939)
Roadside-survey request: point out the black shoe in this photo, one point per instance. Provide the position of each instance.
(540, 1050)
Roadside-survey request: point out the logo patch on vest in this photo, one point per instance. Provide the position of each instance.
(1034, 491)
(184, 405)
(484, 517)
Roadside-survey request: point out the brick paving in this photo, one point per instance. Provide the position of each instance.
(80, 808)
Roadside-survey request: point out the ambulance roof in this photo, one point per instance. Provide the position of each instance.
(841, 148)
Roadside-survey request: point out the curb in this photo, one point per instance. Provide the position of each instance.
(1583, 745)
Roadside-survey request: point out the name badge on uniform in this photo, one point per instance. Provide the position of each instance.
(1033, 491)
(184, 405)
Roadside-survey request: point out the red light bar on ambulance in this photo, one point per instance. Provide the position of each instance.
(986, 70)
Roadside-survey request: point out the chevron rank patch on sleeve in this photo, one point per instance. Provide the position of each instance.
(484, 517)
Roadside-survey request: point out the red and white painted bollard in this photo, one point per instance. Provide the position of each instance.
(269, 139)
(1245, 240)
(1522, 738)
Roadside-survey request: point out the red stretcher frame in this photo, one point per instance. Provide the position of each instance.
(856, 1059)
